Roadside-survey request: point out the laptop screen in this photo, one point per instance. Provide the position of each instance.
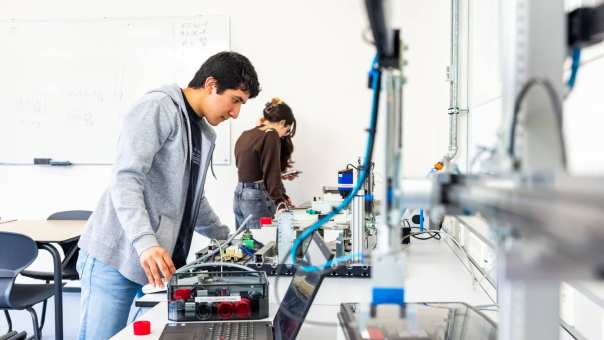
(301, 292)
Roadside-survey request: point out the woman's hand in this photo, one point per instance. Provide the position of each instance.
(285, 204)
(289, 177)
(290, 173)
(288, 202)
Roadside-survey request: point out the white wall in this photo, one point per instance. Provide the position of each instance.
(584, 116)
(310, 53)
(485, 87)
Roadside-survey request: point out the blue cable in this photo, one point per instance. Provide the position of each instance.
(375, 74)
(574, 69)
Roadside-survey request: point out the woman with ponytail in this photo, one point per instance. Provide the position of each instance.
(262, 154)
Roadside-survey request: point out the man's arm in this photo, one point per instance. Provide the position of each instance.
(146, 128)
(208, 223)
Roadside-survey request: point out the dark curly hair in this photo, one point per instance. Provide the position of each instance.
(231, 70)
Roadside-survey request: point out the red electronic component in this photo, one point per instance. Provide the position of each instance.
(243, 308)
(375, 333)
(181, 294)
(142, 327)
(266, 221)
(225, 310)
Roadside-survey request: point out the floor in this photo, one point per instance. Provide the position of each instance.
(71, 316)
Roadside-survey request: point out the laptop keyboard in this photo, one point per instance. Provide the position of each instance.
(231, 331)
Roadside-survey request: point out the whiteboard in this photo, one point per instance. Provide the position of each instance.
(66, 84)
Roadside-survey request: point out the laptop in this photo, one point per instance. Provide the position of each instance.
(288, 320)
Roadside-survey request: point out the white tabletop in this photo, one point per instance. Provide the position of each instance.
(433, 274)
(321, 313)
(45, 230)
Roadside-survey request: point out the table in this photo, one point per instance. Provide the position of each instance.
(433, 273)
(46, 232)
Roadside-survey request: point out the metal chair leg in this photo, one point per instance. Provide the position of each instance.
(43, 312)
(8, 319)
(43, 315)
(58, 297)
(34, 320)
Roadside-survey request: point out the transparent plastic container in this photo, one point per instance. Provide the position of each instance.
(220, 295)
(417, 321)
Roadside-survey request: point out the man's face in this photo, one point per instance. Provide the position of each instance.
(220, 107)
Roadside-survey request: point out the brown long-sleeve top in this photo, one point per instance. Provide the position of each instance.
(257, 156)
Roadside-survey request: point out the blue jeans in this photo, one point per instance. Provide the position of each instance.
(106, 298)
(252, 198)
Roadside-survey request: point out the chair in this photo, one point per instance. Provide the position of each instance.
(16, 253)
(70, 249)
(12, 335)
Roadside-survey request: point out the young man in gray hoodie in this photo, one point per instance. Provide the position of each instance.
(142, 228)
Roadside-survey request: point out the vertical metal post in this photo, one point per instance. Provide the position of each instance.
(533, 38)
(358, 227)
(389, 234)
(453, 76)
(387, 255)
(528, 308)
(533, 43)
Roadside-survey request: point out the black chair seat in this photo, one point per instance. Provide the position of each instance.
(68, 274)
(13, 335)
(25, 295)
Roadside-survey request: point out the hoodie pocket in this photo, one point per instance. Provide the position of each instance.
(166, 233)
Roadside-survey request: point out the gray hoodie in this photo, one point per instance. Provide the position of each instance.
(144, 204)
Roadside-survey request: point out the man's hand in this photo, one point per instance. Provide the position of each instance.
(157, 263)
